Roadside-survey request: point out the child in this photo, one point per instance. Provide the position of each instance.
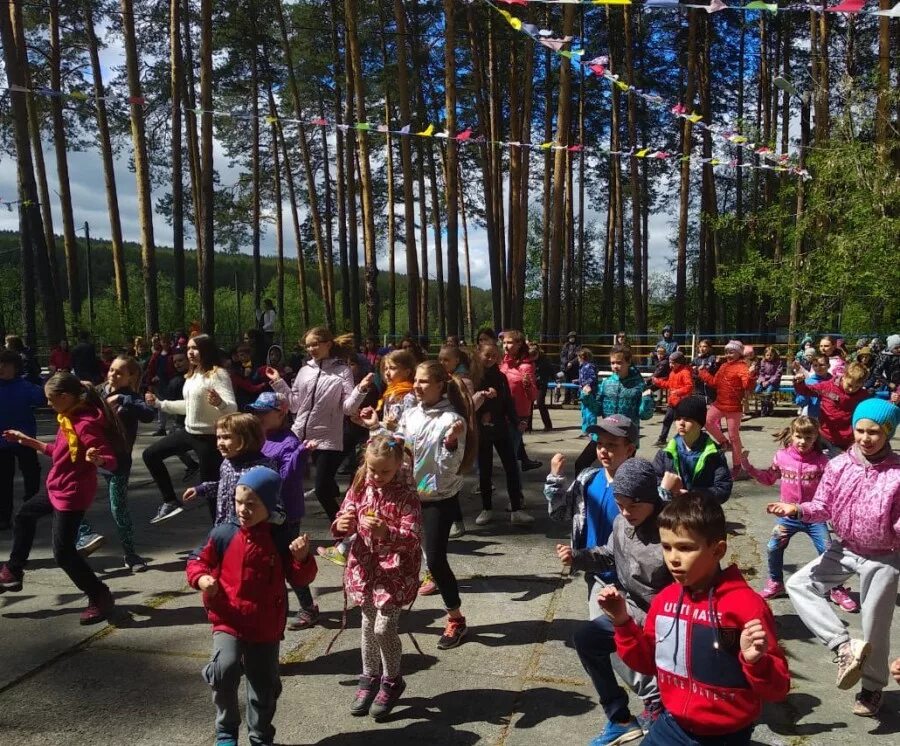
(239, 438)
(660, 365)
(587, 382)
(818, 372)
(245, 381)
(770, 371)
(519, 372)
(89, 437)
(383, 512)
(289, 457)
(799, 465)
(120, 391)
(241, 572)
(860, 495)
(839, 397)
(709, 638)
(18, 398)
(496, 420)
(440, 432)
(704, 359)
(887, 365)
(679, 383)
(692, 461)
(458, 362)
(544, 371)
(731, 381)
(633, 544)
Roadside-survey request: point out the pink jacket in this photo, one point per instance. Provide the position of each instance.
(321, 397)
(71, 485)
(384, 572)
(800, 473)
(522, 384)
(862, 501)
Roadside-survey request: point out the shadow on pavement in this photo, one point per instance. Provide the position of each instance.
(431, 733)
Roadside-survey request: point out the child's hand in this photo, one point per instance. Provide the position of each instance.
(452, 439)
(557, 464)
(272, 374)
(150, 398)
(565, 554)
(490, 393)
(585, 389)
(189, 494)
(613, 604)
(95, 457)
(523, 426)
(345, 523)
(369, 417)
(310, 445)
(754, 641)
(895, 670)
(366, 383)
(212, 396)
(671, 482)
(783, 510)
(14, 436)
(376, 525)
(745, 458)
(299, 548)
(208, 585)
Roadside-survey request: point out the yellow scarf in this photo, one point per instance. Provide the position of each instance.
(398, 390)
(65, 424)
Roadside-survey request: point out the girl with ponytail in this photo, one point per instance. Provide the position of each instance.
(90, 436)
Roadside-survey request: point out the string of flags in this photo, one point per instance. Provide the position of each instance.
(599, 67)
(714, 6)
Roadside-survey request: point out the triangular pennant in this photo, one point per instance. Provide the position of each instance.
(556, 44)
(404, 130)
(694, 118)
(427, 132)
(531, 30)
(847, 6)
(271, 120)
(319, 122)
(661, 4)
(362, 126)
(611, 2)
(137, 100)
(546, 145)
(511, 19)
(576, 148)
(78, 95)
(383, 128)
(892, 13)
(760, 5)
(464, 135)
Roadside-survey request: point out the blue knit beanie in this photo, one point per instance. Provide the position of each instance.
(880, 411)
(264, 482)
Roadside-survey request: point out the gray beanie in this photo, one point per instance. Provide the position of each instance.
(892, 342)
(636, 480)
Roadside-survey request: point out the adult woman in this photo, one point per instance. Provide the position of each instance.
(836, 361)
(519, 371)
(207, 397)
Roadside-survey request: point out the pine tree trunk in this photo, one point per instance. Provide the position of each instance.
(470, 317)
(423, 236)
(175, 87)
(548, 172)
(496, 135)
(142, 169)
(637, 278)
(454, 290)
(279, 221)
(352, 225)
(207, 189)
(189, 103)
(329, 219)
(255, 199)
(340, 195)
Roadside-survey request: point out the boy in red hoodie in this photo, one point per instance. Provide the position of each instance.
(838, 398)
(708, 637)
(241, 573)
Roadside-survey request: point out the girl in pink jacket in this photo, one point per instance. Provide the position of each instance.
(519, 372)
(860, 495)
(382, 576)
(799, 466)
(89, 437)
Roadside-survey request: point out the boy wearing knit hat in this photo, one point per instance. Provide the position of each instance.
(241, 573)
(692, 461)
(633, 546)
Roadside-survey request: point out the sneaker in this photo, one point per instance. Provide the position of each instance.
(10, 580)
(484, 517)
(521, 518)
(305, 619)
(453, 633)
(167, 511)
(617, 733)
(365, 695)
(226, 741)
(388, 696)
(457, 529)
(772, 589)
(867, 703)
(135, 562)
(333, 554)
(660, 443)
(841, 597)
(158, 433)
(649, 716)
(189, 472)
(427, 587)
(850, 658)
(530, 464)
(98, 609)
(88, 544)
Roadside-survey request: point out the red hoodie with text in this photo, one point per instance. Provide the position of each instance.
(691, 643)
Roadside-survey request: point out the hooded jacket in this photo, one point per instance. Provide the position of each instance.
(711, 473)
(679, 383)
(731, 380)
(522, 383)
(836, 407)
(499, 411)
(623, 396)
(862, 501)
(692, 645)
(436, 469)
(800, 473)
(700, 388)
(289, 454)
(251, 604)
(321, 396)
(770, 372)
(18, 398)
(131, 409)
(384, 572)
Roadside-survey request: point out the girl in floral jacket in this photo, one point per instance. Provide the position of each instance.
(382, 576)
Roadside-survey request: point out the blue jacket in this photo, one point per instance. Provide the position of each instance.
(18, 398)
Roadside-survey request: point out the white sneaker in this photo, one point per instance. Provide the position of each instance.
(457, 529)
(521, 518)
(484, 517)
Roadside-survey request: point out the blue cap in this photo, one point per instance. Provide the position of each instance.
(880, 411)
(264, 482)
(267, 401)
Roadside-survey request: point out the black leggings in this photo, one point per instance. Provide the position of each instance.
(174, 444)
(668, 419)
(437, 517)
(31, 476)
(488, 440)
(541, 405)
(327, 490)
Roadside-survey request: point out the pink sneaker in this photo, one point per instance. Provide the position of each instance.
(772, 589)
(840, 597)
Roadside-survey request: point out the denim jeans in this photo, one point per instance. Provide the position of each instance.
(667, 732)
(784, 529)
(760, 389)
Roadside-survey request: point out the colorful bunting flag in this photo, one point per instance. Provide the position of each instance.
(760, 5)
(847, 6)
(427, 132)
(892, 13)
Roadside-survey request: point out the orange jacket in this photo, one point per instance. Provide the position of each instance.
(731, 380)
(680, 384)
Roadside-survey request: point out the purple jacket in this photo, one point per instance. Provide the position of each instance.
(285, 450)
(770, 372)
(862, 501)
(320, 398)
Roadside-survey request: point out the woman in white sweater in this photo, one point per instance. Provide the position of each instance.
(207, 397)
